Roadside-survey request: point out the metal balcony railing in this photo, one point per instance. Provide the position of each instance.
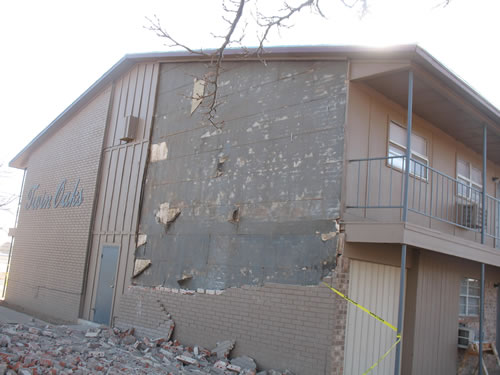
(377, 183)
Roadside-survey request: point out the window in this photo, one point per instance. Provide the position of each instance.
(469, 297)
(397, 147)
(470, 181)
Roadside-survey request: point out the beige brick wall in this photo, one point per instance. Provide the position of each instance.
(48, 259)
(281, 326)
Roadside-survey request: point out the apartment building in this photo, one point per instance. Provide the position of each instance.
(134, 204)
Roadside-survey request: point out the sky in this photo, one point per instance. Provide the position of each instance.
(53, 50)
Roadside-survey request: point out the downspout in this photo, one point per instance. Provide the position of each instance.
(483, 219)
(12, 238)
(397, 366)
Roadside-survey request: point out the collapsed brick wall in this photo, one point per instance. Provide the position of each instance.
(49, 255)
(301, 328)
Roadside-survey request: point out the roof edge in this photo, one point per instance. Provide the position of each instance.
(344, 52)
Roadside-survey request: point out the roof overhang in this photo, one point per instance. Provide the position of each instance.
(438, 97)
(416, 55)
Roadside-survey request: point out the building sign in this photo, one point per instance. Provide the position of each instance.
(62, 197)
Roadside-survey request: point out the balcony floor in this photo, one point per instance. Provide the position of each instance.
(421, 237)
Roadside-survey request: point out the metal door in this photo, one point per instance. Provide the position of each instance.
(106, 284)
(376, 287)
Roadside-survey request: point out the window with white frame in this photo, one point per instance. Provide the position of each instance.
(397, 148)
(470, 180)
(469, 297)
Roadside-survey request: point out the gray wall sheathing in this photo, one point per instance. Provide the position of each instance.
(282, 140)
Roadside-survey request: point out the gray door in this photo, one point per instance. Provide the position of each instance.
(106, 284)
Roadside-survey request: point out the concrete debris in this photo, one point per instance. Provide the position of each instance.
(198, 94)
(244, 363)
(184, 277)
(167, 215)
(140, 266)
(328, 236)
(93, 333)
(27, 349)
(158, 152)
(141, 239)
(223, 349)
(220, 165)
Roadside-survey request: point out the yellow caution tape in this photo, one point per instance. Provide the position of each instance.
(385, 355)
(398, 335)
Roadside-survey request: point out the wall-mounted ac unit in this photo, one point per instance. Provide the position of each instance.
(470, 215)
(130, 129)
(465, 337)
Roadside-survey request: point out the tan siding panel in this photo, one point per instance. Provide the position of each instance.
(124, 187)
(122, 174)
(436, 325)
(115, 199)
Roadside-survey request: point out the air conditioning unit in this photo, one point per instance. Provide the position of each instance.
(470, 215)
(130, 129)
(465, 337)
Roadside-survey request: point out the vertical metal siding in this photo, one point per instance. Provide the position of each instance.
(376, 287)
(121, 177)
(436, 323)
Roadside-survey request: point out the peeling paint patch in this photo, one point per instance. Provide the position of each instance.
(159, 152)
(198, 93)
(140, 266)
(167, 215)
(141, 239)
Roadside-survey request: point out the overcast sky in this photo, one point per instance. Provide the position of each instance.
(53, 50)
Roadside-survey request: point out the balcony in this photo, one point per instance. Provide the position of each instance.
(439, 206)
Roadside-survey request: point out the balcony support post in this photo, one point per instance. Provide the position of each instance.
(402, 278)
(483, 229)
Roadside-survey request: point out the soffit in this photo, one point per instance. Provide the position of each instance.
(441, 107)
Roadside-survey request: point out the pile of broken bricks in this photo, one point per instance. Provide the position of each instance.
(30, 349)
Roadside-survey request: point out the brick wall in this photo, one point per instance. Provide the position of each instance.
(282, 326)
(48, 259)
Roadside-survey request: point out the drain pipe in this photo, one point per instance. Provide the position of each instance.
(12, 238)
(401, 312)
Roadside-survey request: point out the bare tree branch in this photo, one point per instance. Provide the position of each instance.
(363, 4)
(234, 10)
(277, 21)
(216, 57)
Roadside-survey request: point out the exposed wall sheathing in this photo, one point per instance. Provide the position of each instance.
(47, 269)
(276, 161)
(244, 216)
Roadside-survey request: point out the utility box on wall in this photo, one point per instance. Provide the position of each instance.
(130, 129)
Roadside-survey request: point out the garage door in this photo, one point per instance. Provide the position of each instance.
(376, 287)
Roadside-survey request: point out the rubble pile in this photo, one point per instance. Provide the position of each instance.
(33, 349)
